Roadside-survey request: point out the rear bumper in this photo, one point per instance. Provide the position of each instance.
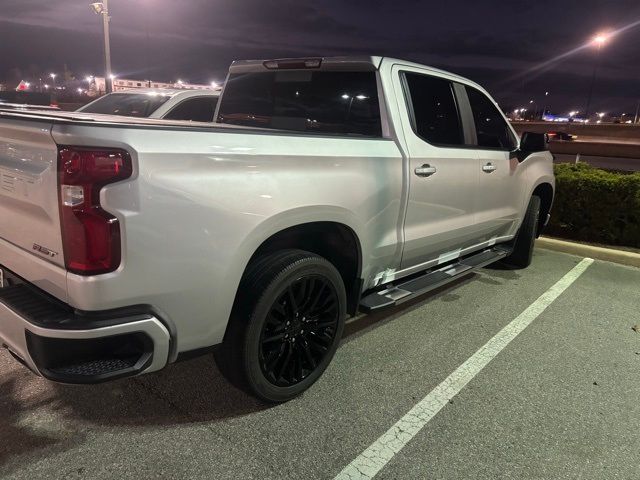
(67, 346)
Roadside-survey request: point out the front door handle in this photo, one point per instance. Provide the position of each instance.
(489, 167)
(425, 170)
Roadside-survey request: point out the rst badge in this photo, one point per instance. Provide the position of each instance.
(44, 250)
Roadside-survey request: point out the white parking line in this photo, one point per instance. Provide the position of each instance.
(376, 456)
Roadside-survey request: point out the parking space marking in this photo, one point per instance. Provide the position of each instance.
(379, 453)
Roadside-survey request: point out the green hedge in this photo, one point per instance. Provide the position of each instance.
(596, 205)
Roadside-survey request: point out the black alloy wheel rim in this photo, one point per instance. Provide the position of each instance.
(299, 330)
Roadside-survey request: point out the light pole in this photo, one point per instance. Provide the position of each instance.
(546, 104)
(599, 40)
(535, 109)
(146, 51)
(102, 8)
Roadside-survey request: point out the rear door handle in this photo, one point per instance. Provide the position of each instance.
(425, 170)
(489, 167)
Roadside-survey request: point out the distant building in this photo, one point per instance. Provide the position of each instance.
(97, 85)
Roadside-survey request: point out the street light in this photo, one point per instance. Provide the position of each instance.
(102, 8)
(346, 96)
(599, 40)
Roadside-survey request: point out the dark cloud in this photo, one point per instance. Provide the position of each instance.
(493, 41)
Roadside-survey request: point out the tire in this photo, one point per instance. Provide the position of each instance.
(285, 297)
(522, 252)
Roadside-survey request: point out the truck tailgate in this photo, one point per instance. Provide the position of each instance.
(29, 213)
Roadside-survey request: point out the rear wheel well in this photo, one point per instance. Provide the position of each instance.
(334, 241)
(545, 192)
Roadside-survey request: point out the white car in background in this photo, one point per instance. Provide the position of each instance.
(169, 104)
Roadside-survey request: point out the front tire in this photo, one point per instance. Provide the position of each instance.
(286, 325)
(522, 252)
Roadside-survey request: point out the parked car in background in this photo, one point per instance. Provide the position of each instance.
(324, 187)
(561, 136)
(170, 104)
(12, 100)
(25, 98)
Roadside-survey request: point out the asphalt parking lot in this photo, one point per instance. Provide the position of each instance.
(561, 400)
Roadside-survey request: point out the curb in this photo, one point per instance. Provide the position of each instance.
(608, 254)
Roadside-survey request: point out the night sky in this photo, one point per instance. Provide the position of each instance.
(498, 43)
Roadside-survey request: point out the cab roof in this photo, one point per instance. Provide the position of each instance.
(357, 63)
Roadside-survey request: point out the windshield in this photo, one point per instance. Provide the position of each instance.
(127, 104)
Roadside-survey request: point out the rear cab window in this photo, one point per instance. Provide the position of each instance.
(328, 102)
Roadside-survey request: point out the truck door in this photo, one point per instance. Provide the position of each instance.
(443, 173)
(499, 200)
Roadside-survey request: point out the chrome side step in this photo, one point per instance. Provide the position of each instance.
(402, 291)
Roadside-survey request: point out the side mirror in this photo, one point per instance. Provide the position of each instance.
(532, 142)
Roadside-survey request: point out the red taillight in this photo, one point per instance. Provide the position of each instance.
(90, 236)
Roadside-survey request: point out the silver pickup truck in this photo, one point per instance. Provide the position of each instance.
(326, 186)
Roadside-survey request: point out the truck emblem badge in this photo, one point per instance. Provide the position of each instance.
(44, 250)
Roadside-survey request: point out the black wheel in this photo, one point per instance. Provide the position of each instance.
(522, 252)
(286, 325)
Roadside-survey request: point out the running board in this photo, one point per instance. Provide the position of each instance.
(402, 291)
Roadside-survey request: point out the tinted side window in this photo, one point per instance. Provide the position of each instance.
(491, 128)
(302, 100)
(434, 109)
(199, 109)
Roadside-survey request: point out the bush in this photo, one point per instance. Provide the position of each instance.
(596, 205)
